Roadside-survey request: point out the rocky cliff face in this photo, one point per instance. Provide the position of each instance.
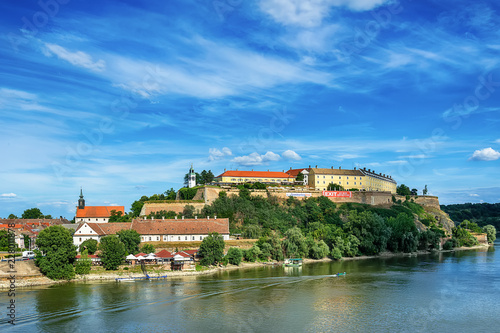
(441, 217)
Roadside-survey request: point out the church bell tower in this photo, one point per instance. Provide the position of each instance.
(81, 201)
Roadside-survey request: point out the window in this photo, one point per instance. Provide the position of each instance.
(323, 181)
(340, 177)
(340, 183)
(201, 237)
(318, 182)
(354, 178)
(165, 238)
(193, 237)
(347, 183)
(179, 238)
(158, 238)
(186, 238)
(323, 177)
(347, 177)
(80, 239)
(354, 183)
(97, 219)
(149, 238)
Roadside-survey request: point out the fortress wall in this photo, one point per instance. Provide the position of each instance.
(177, 207)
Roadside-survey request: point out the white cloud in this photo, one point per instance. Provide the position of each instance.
(497, 141)
(310, 13)
(256, 158)
(216, 154)
(474, 195)
(486, 154)
(77, 58)
(8, 195)
(291, 155)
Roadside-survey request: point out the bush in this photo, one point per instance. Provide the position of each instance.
(234, 256)
(448, 245)
(336, 253)
(148, 248)
(83, 265)
(211, 249)
(90, 245)
(57, 244)
(113, 252)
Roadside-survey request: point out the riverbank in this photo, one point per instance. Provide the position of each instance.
(23, 282)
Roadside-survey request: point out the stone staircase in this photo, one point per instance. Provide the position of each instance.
(23, 269)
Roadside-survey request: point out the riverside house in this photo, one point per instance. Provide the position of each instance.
(159, 230)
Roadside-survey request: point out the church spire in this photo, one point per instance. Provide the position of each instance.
(81, 201)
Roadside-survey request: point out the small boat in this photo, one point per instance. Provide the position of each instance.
(339, 274)
(295, 262)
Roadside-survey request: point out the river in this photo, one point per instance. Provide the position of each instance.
(444, 292)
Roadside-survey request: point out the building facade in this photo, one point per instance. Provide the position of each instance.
(359, 179)
(265, 177)
(159, 230)
(95, 214)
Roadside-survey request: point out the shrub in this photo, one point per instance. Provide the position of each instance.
(90, 245)
(448, 245)
(83, 265)
(234, 256)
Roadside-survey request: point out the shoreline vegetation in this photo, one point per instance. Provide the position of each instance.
(28, 282)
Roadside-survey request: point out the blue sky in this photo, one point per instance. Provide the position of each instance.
(121, 97)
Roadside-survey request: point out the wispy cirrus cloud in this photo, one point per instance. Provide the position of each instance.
(77, 58)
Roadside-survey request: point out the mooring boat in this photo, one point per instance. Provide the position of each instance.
(293, 262)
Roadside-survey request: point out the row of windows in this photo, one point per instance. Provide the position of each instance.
(340, 183)
(340, 177)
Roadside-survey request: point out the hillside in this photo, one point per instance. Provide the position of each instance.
(480, 213)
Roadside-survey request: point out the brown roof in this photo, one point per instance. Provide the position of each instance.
(162, 227)
(180, 227)
(98, 211)
(256, 174)
(47, 222)
(104, 229)
(295, 172)
(343, 172)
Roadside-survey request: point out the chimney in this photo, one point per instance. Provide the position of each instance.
(369, 170)
(183, 217)
(354, 168)
(316, 166)
(208, 217)
(176, 217)
(196, 217)
(332, 167)
(215, 217)
(224, 169)
(309, 166)
(152, 218)
(340, 168)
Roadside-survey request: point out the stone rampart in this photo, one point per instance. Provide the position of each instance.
(177, 207)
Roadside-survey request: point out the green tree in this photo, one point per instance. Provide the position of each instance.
(295, 244)
(57, 245)
(118, 216)
(136, 207)
(403, 190)
(90, 245)
(12, 217)
(188, 211)
(131, 239)
(234, 256)
(253, 253)
(32, 213)
(424, 191)
(253, 231)
(112, 252)
(4, 240)
(148, 248)
(84, 264)
(318, 250)
(414, 191)
(335, 187)
(170, 194)
(27, 241)
(211, 249)
(491, 233)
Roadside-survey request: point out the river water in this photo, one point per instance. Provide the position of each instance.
(445, 292)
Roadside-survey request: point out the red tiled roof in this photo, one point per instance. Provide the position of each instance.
(164, 254)
(182, 253)
(255, 174)
(191, 252)
(141, 254)
(91, 256)
(104, 229)
(181, 227)
(46, 222)
(295, 172)
(98, 211)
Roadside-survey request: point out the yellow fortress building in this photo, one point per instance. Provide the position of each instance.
(360, 179)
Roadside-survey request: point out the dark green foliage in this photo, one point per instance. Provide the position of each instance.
(253, 253)
(370, 229)
(295, 244)
(252, 231)
(471, 226)
(163, 214)
(186, 193)
(84, 264)
(403, 190)
(148, 248)
(136, 207)
(112, 252)
(117, 216)
(335, 187)
(480, 213)
(404, 236)
(448, 245)
(57, 245)
(463, 237)
(90, 245)
(234, 256)
(188, 211)
(131, 239)
(4, 240)
(428, 240)
(12, 216)
(211, 249)
(32, 213)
